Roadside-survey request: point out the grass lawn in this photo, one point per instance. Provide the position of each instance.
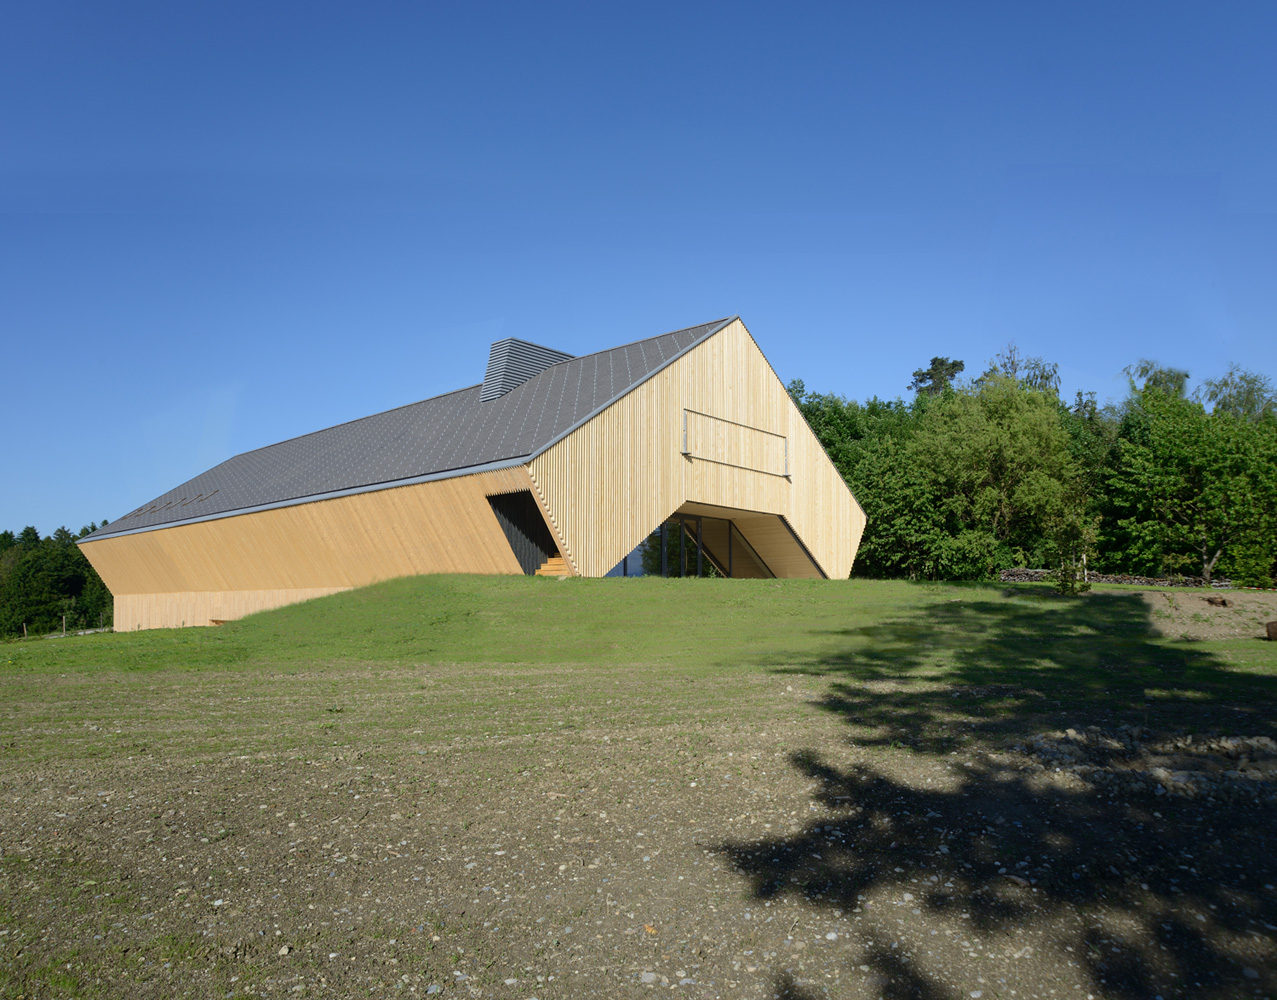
(308, 801)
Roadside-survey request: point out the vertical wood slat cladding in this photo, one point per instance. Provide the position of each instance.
(146, 611)
(553, 525)
(713, 439)
(613, 479)
(777, 546)
(446, 526)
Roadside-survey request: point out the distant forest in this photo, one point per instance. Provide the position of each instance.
(965, 478)
(970, 477)
(42, 579)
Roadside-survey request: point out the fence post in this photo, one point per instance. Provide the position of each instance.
(64, 626)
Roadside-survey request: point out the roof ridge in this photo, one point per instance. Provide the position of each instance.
(640, 340)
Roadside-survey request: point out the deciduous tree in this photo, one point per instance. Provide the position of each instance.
(1193, 485)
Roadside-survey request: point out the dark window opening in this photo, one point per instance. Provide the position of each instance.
(525, 529)
(688, 545)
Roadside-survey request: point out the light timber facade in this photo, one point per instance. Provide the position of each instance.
(552, 464)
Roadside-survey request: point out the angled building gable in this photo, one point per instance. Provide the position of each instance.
(715, 428)
(445, 436)
(553, 461)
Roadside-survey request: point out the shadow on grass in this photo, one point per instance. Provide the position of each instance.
(1125, 894)
(996, 662)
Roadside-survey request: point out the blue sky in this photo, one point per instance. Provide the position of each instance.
(222, 225)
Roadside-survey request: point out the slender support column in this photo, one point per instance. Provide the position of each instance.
(730, 528)
(700, 550)
(665, 558)
(682, 548)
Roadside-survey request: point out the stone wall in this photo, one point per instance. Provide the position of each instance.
(1040, 576)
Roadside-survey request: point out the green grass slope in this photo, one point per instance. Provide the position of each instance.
(481, 657)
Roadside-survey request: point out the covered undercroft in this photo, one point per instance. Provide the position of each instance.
(708, 540)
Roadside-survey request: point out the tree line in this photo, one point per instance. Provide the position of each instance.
(972, 476)
(43, 579)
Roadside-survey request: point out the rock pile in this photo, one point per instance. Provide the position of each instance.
(1042, 575)
(1132, 759)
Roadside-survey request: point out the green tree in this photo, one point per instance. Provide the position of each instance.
(999, 467)
(1147, 374)
(905, 530)
(1092, 432)
(1240, 393)
(44, 579)
(1193, 486)
(1031, 373)
(936, 377)
(962, 481)
(867, 442)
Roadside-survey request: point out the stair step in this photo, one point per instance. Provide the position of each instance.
(554, 566)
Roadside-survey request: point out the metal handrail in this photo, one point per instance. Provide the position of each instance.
(734, 465)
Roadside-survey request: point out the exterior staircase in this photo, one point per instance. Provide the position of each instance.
(556, 565)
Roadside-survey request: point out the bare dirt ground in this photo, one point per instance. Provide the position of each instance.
(719, 863)
(1189, 613)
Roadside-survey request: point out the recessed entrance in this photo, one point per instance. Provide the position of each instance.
(696, 545)
(525, 529)
(706, 540)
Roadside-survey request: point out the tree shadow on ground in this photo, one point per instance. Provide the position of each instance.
(1005, 659)
(1066, 884)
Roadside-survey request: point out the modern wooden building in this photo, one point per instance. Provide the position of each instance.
(553, 463)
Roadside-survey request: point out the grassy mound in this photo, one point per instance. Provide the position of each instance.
(577, 652)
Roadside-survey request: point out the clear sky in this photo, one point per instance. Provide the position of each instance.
(225, 224)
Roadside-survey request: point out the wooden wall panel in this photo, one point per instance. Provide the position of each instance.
(712, 439)
(146, 611)
(611, 481)
(445, 526)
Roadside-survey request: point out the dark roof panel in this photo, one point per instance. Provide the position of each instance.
(451, 433)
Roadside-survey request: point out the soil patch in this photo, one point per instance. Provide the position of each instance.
(1192, 615)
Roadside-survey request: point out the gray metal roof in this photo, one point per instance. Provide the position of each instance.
(448, 435)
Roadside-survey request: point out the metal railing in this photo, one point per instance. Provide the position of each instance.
(686, 450)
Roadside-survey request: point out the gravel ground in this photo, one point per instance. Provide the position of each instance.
(973, 795)
(720, 863)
